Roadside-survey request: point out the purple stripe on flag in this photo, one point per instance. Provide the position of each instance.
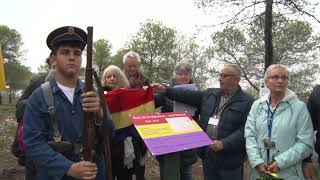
(169, 144)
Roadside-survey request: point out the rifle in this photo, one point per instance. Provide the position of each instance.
(89, 127)
(105, 128)
(88, 123)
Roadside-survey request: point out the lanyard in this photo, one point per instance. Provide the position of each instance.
(218, 109)
(270, 117)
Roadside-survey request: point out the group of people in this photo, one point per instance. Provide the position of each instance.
(274, 132)
(126, 139)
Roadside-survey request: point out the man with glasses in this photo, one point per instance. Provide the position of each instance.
(223, 113)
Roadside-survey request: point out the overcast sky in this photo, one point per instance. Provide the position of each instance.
(115, 20)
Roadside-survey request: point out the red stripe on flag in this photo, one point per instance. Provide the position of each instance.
(124, 99)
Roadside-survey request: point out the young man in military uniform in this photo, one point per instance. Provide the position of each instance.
(66, 44)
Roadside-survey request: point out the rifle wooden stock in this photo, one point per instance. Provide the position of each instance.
(105, 128)
(88, 122)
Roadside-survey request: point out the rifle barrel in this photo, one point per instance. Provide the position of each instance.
(88, 126)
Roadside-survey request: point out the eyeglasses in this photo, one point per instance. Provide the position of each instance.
(221, 75)
(276, 77)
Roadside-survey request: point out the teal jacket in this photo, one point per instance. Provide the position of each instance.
(292, 133)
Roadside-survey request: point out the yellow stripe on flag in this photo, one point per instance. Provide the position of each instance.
(121, 119)
(2, 78)
(164, 129)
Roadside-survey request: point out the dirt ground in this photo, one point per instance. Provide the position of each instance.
(153, 173)
(10, 170)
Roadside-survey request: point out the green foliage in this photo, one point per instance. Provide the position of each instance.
(82, 73)
(11, 43)
(161, 48)
(101, 54)
(154, 43)
(294, 46)
(117, 59)
(252, 91)
(243, 11)
(17, 75)
(187, 50)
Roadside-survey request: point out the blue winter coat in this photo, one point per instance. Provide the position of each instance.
(292, 133)
(231, 124)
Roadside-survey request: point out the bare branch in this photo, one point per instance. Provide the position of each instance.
(240, 11)
(301, 10)
(243, 71)
(246, 77)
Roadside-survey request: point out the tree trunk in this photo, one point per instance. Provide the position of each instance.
(268, 58)
(10, 100)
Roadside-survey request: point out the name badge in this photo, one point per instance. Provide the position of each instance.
(214, 121)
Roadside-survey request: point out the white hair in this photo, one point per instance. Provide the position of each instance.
(272, 67)
(131, 54)
(122, 80)
(235, 68)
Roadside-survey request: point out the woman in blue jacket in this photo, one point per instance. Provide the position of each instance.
(278, 131)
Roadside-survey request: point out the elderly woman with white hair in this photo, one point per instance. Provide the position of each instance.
(113, 78)
(125, 160)
(278, 131)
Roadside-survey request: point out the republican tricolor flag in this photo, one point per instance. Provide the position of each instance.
(125, 102)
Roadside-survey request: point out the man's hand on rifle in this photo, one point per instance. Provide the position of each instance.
(91, 103)
(83, 170)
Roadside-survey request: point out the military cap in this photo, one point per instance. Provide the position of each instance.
(67, 34)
